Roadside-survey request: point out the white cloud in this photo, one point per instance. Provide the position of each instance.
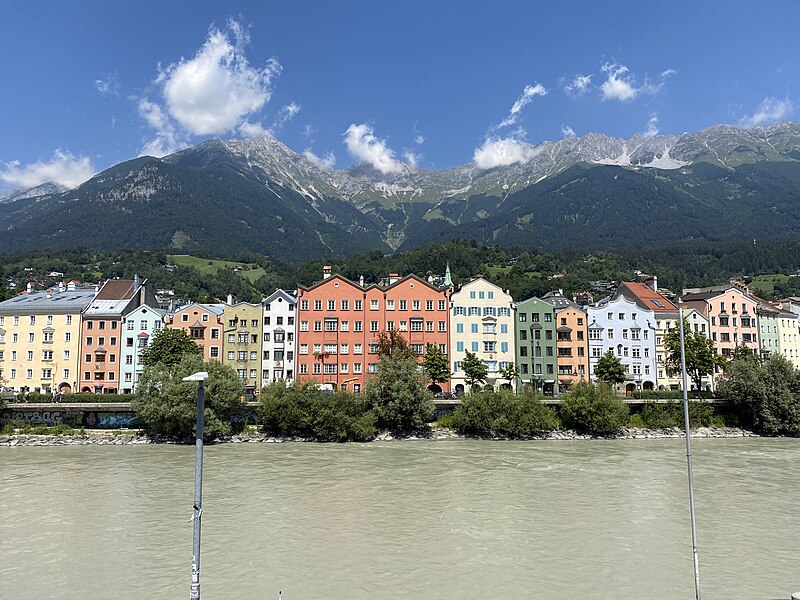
(107, 86)
(248, 129)
(769, 110)
(324, 162)
(65, 169)
(528, 94)
(308, 131)
(579, 85)
(285, 114)
(620, 83)
(652, 126)
(412, 158)
(567, 131)
(503, 152)
(419, 139)
(167, 138)
(363, 145)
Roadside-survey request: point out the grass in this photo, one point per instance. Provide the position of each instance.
(767, 282)
(249, 271)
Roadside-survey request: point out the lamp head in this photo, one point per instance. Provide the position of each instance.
(199, 376)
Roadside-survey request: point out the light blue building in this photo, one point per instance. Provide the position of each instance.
(139, 327)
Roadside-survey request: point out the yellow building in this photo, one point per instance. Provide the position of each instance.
(40, 334)
(243, 332)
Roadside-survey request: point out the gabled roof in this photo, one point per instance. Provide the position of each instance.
(279, 293)
(645, 297)
(215, 309)
(560, 302)
(336, 276)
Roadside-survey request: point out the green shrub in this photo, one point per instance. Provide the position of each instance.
(445, 422)
(670, 414)
(593, 409)
(503, 414)
(304, 410)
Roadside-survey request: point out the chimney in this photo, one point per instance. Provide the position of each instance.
(393, 278)
(48, 293)
(652, 283)
(60, 286)
(230, 299)
(71, 286)
(560, 291)
(30, 288)
(326, 271)
(361, 281)
(135, 281)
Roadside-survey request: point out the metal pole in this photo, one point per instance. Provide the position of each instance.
(689, 458)
(194, 590)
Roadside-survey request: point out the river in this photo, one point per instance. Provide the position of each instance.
(415, 519)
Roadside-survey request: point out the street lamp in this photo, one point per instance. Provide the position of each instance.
(200, 377)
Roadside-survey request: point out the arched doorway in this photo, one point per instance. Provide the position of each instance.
(460, 389)
(435, 388)
(65, 388)
(86, 390)
(488, 387)
(629, 389)
(648, 385)
(505, 386)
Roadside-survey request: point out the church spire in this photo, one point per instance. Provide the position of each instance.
(448, 281)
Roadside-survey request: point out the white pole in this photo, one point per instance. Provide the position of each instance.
(689, 456)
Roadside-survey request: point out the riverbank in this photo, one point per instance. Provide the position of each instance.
(136, 437)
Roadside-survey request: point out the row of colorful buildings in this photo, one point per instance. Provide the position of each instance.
(78, 339)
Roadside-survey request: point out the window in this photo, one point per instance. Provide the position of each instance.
(357, 349)
(417, 348)
(357, 305)
(344, 349)
(390, 305)
(442, 326)
(416, 324)
(30, 337)
(344, 326)
(441, 305)
(473, 328)
(389, 325)
(373, 326)
(358, 326)
(490, 346)
(330, 325)
(345, 304)
(16, 321)
(317, 325)
(357, 368)
(343, 367)
(29, 355)
(318, 304)
(373, 305)
(373, 347)
(459, 311)
(303, 369)
(489, 328)
(428, 304)
(330, 348)
(610, 334)
(429, 326)
(403, 304)
(474, 346)
(415, 304)
(459, 346)
(304, 304)
(48, 336)
(372, 367)
(474, 311)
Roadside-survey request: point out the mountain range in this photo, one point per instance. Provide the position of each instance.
(580, 193)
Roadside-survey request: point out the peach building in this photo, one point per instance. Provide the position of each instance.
(338, 323)
(571, 339)
(204, 324)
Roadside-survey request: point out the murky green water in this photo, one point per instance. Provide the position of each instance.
(422, 520)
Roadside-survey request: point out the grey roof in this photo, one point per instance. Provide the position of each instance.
(279, 293)
(103, 308)
(44, 303)
(560, 302)
(217, 309)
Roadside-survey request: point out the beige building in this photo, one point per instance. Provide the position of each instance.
(481, 322)
(40, 335)
(789, 337)
(243, 333)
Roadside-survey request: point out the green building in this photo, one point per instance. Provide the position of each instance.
(535, 335)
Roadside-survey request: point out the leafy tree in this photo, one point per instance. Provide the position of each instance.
(397, 395)
(168, 348)
(436, 364)
(168, 405)
(609, 369)
(394, 345)
(475, 370)
(701, 357)
(510, 372)
(593, 409)
(767, 394)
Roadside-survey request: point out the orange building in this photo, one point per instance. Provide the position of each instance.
(338, 323)
(203, 323)
(571, 339)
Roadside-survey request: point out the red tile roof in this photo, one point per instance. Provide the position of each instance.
(651, 299)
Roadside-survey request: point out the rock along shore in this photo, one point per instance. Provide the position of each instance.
(139, 438)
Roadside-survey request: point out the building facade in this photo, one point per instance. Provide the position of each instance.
(40, 336)
(339, 321)
(243, 334)
(536, 347)
(732, 317)
(789, 337)
(139, 327)
(278, 337)
(204, 324)
(571, 339)
(628, 331)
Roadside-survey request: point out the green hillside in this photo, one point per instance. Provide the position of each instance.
(249, 271)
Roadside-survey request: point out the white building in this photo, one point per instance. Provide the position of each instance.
(481, 322)
(628, 331)
(278, 351)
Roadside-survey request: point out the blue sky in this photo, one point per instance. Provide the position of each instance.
(87, 85)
